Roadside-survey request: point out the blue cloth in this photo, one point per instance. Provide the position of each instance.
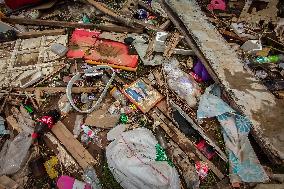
(244, 164)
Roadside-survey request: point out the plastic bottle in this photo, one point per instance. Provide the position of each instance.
(115, 93)
(270, 59)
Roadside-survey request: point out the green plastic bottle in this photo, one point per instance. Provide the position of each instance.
(29, 109)
(270, 59)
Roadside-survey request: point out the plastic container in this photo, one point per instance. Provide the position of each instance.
(115, 93)
(66, 182)
(270, 59)
(181, 83)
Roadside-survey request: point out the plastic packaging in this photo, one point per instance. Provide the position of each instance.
(142, 14)
(64, 105)
(270, 59)
(115, 93)
(45, 123)
(200, 70)
(91, 178)
(131, 158)
(92, 134)
(201, 169)
(180, 82)
(66, 182)
(13, 154)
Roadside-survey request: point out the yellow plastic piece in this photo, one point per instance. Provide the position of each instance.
(49, 167)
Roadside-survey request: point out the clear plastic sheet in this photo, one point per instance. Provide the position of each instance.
(181, 83)
(14, 154)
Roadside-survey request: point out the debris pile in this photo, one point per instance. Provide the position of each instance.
(141, 94)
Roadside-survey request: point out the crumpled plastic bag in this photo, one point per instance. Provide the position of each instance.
(181, 83)
(131, 159)
(13, 154)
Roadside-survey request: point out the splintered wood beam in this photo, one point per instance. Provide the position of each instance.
(62, 24)
(34, 34)
(130, 22)
(14, 124)
(7, 182)
(73, 146)
(51, 90)
(183, 142)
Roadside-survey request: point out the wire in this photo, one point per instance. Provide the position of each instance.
(77, 77)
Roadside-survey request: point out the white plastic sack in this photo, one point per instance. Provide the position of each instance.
(13, 154)
(131, 158)
(181, 83)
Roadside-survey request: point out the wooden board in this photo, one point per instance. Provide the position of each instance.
(7, 183)
(33, 34)
(51, 90)
(73, 146)
(62, 24)
(14, 124)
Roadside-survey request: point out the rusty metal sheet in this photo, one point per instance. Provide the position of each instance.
(249, 95)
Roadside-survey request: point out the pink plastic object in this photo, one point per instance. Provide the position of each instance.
(216, 4)
(202, 169)
(66, 182)
(87, 44)
(83, 39)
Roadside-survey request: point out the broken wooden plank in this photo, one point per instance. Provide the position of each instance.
(171, 43)
(232, 35)
(33, 34)
(8, 183)
(73, 146)
(130, 22)
(183, 142)
(14, 124)
(51, 90)
(165, 25)
(38, 22)
(245, 92)
(61, 153)
(129, 8)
